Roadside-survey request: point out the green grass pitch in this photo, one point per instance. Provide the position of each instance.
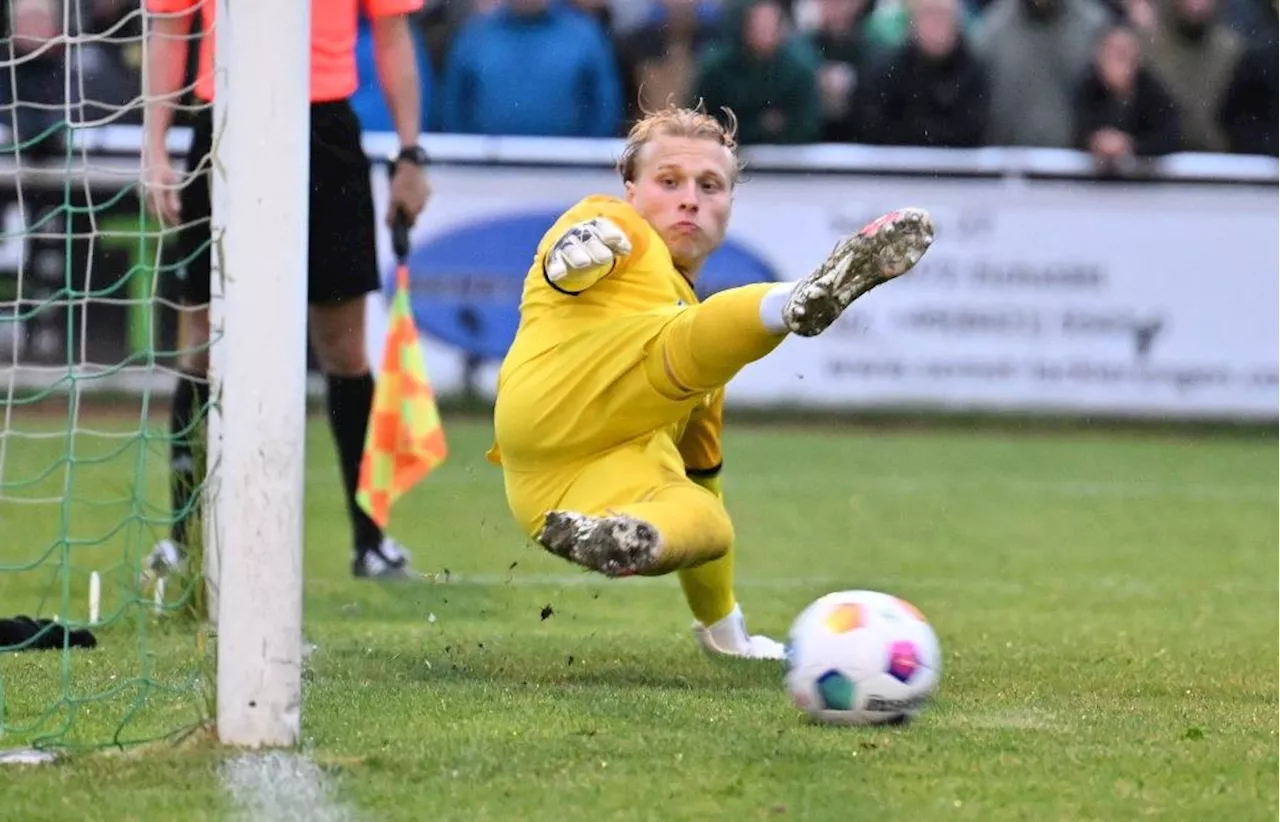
(1106, 602)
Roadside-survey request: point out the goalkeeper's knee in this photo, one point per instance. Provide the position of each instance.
(694, 526)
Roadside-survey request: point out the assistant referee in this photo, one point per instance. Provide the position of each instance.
(342, 266)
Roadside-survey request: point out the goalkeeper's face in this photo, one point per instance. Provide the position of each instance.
(683, 188)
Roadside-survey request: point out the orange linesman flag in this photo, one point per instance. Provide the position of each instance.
(406, 439)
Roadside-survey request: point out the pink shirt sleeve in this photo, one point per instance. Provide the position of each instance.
(385, 8)
(172, 6)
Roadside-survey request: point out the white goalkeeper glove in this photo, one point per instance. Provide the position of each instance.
(585, 254)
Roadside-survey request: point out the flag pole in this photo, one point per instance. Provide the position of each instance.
(405, 441)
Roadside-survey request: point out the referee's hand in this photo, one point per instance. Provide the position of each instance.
(160, 186)
(409, 192)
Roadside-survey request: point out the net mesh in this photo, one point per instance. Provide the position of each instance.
(88, 361)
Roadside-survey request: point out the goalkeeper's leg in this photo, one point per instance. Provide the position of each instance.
(707, 345)
(680, 528)
(719, 624)
(636, 502)
(643, 372)
(701, 350)
(628, 511)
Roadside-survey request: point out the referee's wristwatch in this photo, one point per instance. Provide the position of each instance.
(412, 154)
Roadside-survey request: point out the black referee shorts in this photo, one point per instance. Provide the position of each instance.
(342, 251)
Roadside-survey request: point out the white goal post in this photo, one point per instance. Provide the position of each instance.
(257, 423)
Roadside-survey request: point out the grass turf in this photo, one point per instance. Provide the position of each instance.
(1106, 605)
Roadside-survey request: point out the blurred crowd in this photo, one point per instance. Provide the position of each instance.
(1117, 78)
(78, 60)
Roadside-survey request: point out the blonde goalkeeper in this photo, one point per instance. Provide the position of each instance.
(610, 400)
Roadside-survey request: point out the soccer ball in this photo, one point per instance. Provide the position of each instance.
(862, 658)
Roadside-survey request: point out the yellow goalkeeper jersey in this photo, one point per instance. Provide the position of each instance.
(643, 283)
(644, 280)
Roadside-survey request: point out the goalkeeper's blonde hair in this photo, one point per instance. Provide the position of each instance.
(675, 121)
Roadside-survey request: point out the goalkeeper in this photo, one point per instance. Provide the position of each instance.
(610, 400)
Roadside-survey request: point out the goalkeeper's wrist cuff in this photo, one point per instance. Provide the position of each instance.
(575, 282)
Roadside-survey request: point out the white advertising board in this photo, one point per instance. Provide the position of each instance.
(1118, 299)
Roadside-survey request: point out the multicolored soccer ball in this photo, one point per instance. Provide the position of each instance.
(862, 658)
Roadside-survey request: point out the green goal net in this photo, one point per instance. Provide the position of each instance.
(88, 355)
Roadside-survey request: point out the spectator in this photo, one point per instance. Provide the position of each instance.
(1192, 54)
(532, 67)
(931, 91)
(1248, 115)
(889, 24)
(619, 17)
(1138, 14)
(766, 75)
(108, 71)
(659, 58)
(1122, 112)
(36, 88)
(440, 22)
(1036, 52)
(843, 51)
(599, 9)
(1246, 17)
(629, 15)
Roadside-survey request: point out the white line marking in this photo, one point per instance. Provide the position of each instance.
(278, 786)
(95, 597)
(26, 756)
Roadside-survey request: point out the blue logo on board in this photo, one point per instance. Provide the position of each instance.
(466, 282)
